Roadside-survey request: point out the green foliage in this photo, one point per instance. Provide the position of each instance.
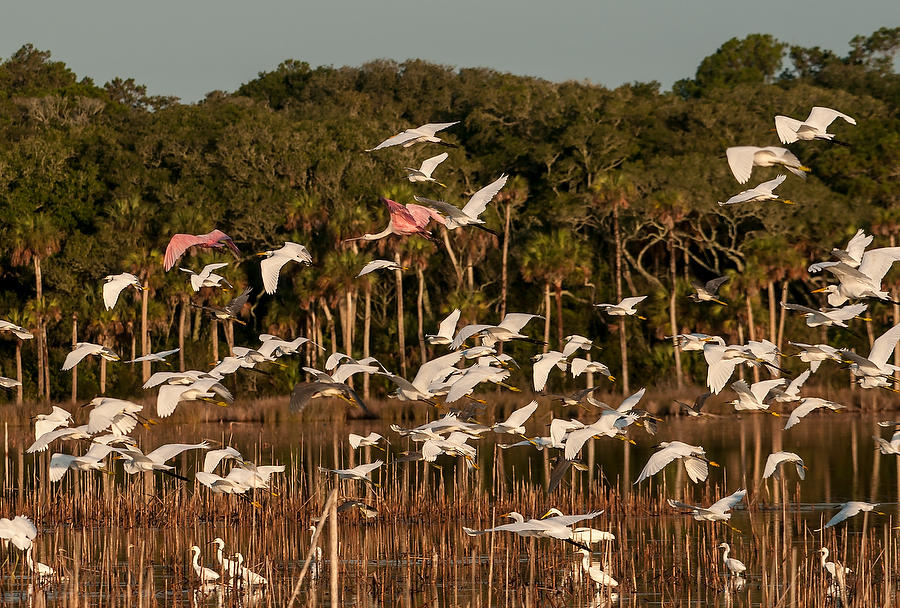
(95, 180)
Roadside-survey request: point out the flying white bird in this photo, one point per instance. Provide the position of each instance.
(753, 397)
(706, 292)
(692, 456)
(806, 406)
(718, 511)
(625, 307)
(848, 510)
(543, 364)
(413, 136)
(830, 317)
(862, 282)
(778, 458)
(515, 423)
(44, 423)
(20, 531)
(361, 472)
(117, 415)
(508, 329)
(135, 461)
(889, 447)
(763, 192)
(83, 349)
(20, 332)
(742, 159)
(814, 127)
(469, 214)
(357, 441)
(205, 389)
(114, 285)
(159, 357)
(423, 173)
(814, 354)
(379, 265)
(792, 392)
(875, 371)
(445, 329)
(206, 277)
(271, 266)
(579, 366)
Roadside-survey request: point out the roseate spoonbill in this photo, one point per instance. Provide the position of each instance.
(182, 242)
(405, 220)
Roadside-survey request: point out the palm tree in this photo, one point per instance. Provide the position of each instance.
(34, 238)
(509, 199)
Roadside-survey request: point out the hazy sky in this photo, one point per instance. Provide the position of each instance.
(190, 47)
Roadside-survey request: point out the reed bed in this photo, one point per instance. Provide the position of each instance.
(124, 540)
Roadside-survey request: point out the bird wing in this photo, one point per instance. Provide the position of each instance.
(884, 346)
(80, 352)
(696, 468)
(729, 502)
(712, 286)
(396, 140)
(171, 450)
(631, 302)
(773, 183)
(772, 463)
(217, 236)
(521, 415)
(448, 325)
(787, 128)
(168, 398)
(455, 216)
(214, 457)
(468, 381)
(629, 402)
(429, 164)
(234, 307)
(430, 369)
(857, 245)
(365, 469)
(480, 199)
(794, 387)
(847, 312)
(742, 197)
(761, 389)
(576, 439)
(111, 291)
(719, 373)
(178, 244)
(740, 160)
(876, 262)
(59, 464)
(422, 215)
(433, 127)
(270, 267)
(541, 368)
(801, 308)
(515, 321)
(820, 118)
(304, 392)
(657, 462)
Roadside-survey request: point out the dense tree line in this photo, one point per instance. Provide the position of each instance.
(613, 192)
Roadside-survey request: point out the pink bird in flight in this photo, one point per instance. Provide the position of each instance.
(182, 242)
(405, 220)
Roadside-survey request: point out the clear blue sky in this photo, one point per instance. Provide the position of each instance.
(190, 47)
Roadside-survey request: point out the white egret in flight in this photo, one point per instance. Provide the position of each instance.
(778, 458)
(114, 284)
(692, 456)
(848, 510)
(379, 265)
(423, 173)
(718, 511)
(413, 136)
(469, 214)
(625, 307)
(763, 192)
(814, 127)
(445, 329)
(742, 159)
(275, 259)
(206, 277)
(83, 349)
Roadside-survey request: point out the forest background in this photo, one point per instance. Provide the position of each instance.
(613, 192)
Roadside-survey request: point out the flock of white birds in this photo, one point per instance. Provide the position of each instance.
(448, 379)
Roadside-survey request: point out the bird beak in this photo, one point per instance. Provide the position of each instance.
(820, 290)
(714, 464)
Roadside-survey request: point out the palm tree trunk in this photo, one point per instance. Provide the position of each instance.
(782, 315)
(74, 369)
(504, 269)
(673, 313)
(401, 338)
(420, 313)
(751, 329)
(329, 319)
(456, 268)
(559, 317)
(182, 317)
(546, 317)
(773, 336)
(20, 390)
(46, 362)
(367, 327)
(40, 325)
(214, 336)
(348, 323)
(103, 374)
(145, 334)
(623, 347)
